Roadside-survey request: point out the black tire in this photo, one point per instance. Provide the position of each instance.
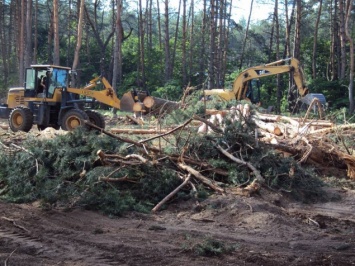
(74, 118)
(21, 119)
(96, 118)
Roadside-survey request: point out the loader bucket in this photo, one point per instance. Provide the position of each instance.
(127, 102)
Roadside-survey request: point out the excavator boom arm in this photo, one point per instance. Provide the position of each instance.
(240, 83)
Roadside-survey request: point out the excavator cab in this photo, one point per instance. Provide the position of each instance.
(253, 91)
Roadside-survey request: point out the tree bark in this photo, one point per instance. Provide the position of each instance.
(168, 66)
(246, 34)
(297, 39)
(56, 55)
(78, 39)
(314, 53)
(349, 4)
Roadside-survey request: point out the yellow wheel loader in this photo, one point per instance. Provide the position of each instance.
(47, 100)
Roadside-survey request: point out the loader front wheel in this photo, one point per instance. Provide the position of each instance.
(74, 118)
(21, 119)
(96, 118)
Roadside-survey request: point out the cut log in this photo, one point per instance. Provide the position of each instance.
(160, 105)
(269, 127)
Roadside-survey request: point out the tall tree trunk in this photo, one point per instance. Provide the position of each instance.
(287, 51)
(314, 53)
(279, 93)
(35, 37)
(349, 4)
(334, 29)
(211, 63)
(246, 34)
(4, 46)
(168, 66)
(159, 25)
(202, 55)
(117, 57)
(297, 39)
(342, 12)
(141, 82)
(176, 35)
(69, 32)
(192, 39)
(28, 35)
(56, 57)
(21, 37)
(78, 39)
(183, 44)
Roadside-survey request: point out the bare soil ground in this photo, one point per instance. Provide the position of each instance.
(266, 229)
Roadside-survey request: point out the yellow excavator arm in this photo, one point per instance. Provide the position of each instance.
(240, 85)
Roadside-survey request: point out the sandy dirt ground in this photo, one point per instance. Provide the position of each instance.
(266, 229)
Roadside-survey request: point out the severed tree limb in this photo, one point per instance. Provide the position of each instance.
(135, 131)
(141, 145)
(167, 133)
(137, 121)
(202, 178)
(257, 174)
(171, 194)
(208, 123)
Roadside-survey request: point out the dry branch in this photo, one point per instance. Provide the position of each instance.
(135, 120)
(136, 131)
(153, 149)
(171, 194)
(250, 166)
(202, 178)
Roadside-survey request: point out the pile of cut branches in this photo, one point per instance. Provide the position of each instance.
(116, 173)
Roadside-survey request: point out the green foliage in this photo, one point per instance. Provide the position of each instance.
(171, 91)
(212, 247)
(336, 92)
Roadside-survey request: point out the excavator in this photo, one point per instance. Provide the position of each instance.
(47, 100)
(246, 86)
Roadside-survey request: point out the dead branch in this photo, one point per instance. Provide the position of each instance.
(208, 123)
(250, 166)
(168, 132)
(333, 129)
(171, 194)
(141, 145)
(121, 179)
(7, 259)
(135, 120)
(251, 189)
(14, 223)
(202, 178)
(136, 131)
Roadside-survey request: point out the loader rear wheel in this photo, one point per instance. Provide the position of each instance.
(21, 119)
(74, 118)
(96, 118)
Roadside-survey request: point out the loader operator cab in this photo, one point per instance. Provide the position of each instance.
(42, 80)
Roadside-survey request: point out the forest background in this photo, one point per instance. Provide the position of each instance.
(164, 46)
